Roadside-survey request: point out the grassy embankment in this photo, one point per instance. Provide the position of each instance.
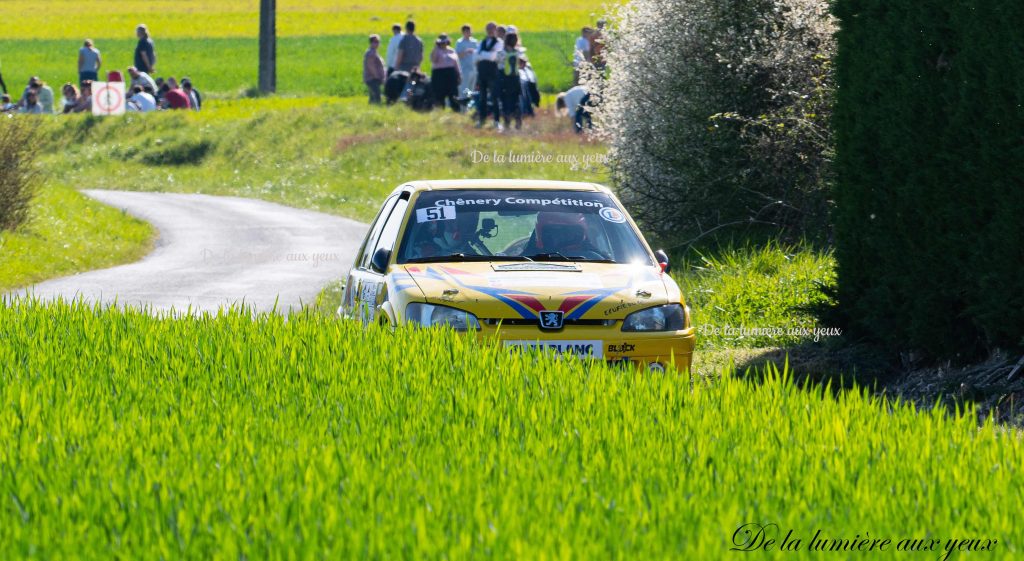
(66, 233)
(332, 155)
(320, 42)
(231, 437)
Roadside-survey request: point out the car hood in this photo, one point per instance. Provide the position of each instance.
(520, 290)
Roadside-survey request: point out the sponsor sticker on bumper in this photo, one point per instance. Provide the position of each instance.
(581, 348)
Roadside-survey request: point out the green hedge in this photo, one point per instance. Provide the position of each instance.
(930, 196)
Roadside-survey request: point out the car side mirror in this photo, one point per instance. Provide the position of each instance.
(662, 258)
(379, 262)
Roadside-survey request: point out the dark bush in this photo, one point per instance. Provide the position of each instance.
(18, 174)
(930, 162)
(177, 152)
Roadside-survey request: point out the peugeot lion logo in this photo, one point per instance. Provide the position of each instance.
(551, 319)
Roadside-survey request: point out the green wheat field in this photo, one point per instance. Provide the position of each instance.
(320, 42)
(238, 437)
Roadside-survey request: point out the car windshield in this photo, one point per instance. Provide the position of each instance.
(528, 225)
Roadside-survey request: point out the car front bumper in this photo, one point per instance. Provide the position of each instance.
(671, 350)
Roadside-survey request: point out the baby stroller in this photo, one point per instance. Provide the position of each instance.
(467, 101)
(419, 95)
(394, 86)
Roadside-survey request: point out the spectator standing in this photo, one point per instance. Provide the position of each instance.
(140, 78)
(445, 74)
(392, 54)
(3, 85)
(30, 103)
(141, 101)
(466, 48)
(145, 53)
(410, 49)
(581, 54)
(597, 46)
(195, 99)
(528, 79)
(374, 73)
(487, 75)
(89, 62)
(511, 87)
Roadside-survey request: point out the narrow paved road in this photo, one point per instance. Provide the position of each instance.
(215, 251)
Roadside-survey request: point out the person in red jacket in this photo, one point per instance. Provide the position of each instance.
(173, 96)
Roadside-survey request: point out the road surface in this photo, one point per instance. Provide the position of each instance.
(216, 251)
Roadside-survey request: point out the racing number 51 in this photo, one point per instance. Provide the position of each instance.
(435, 213)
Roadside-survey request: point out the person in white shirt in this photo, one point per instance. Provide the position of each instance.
(391, 57)
(466, 51)
(575, 103)
(141, 101)
(89, 62)
(140, 78)
(581, 53)
(528, 80)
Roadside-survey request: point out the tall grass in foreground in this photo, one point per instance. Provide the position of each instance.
(229, 437)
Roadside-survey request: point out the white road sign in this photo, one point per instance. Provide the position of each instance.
(108, 98)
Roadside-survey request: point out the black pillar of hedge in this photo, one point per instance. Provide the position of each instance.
(930, 159)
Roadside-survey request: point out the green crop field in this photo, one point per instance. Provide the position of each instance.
(319, 49)
(233, 437)
(68, 232)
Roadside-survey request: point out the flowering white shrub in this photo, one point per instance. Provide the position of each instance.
(717, 113)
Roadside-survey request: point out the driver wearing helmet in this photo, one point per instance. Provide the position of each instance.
(447, 237)
(564, 233)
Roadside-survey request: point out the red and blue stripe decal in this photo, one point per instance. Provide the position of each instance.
(526, 304)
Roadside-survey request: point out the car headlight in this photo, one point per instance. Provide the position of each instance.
(428, 315)
(670, 317)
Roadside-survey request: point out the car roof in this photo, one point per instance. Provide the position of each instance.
(491, 184)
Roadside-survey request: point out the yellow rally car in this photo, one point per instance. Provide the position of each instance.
(536, 264)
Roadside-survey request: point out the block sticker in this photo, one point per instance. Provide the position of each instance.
(435, 213)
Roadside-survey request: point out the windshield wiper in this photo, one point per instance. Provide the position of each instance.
(555, 256)
(464, 257)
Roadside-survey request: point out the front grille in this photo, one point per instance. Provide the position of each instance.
(536, 322)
